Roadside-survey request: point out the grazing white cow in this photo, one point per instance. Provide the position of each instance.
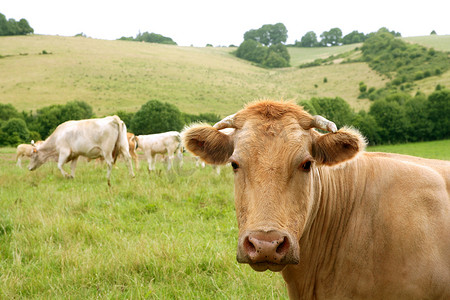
(25, 150)
(92, 138)
(161, 143)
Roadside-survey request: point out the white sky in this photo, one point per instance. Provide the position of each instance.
(221, 23)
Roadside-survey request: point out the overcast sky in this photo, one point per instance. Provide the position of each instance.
(222, 23)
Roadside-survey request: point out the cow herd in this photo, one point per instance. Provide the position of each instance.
(104, 139)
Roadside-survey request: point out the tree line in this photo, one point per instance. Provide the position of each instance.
(12, 27)
(396, 118)
(150, 38)
(153, 117)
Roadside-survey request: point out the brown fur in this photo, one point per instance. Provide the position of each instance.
(359, 225)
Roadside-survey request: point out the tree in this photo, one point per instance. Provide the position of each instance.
(420, 126)
(8, 111)
(334, 109)
(368, 126)
(11, 27)
(353, 38)
(14, 131)
(252, 50)
(331, 38)
(439, 113)
(76, 110)
(390, 117)
(268, 34)
(155, 117)
(309, 40)
(154, 38)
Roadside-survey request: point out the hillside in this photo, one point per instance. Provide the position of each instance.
(122, 75)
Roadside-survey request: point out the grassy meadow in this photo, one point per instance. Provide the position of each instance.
(123, 75)
(161, 235)
(165, 235)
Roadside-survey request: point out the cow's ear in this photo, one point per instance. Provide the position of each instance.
(210, 144)
(334, 148)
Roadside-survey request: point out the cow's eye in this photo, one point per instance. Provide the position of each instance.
(235, 166)
(306, 165)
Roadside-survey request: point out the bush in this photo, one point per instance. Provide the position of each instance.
(439, 113)
(155, 117)
(14, 131)
(391, 119)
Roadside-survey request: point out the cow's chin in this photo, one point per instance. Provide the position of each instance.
(261, 267)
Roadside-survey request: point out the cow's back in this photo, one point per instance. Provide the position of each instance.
(440, 166)
(87, 137)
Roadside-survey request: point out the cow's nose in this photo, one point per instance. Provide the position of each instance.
(266, 247)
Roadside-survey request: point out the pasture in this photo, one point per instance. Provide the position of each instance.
(163, 235)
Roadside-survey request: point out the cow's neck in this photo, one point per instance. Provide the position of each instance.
(48, 149)
(337, 191)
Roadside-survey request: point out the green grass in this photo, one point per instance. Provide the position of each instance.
(434, 149)
(438, 42)
(166, 235)
(121, 75)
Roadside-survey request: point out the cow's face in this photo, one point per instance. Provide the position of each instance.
(274, 155)
(36, 159)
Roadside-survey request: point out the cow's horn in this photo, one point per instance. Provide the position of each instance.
(227, 122)
(322, 123)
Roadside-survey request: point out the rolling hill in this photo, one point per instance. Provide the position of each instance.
(36, 71)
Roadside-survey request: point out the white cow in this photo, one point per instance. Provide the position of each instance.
(91, 138)
(161, 143)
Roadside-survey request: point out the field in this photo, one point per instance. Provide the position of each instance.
(165, 235)
(121, 75)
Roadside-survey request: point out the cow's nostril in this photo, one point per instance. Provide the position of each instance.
(283, 246)
(249, 246)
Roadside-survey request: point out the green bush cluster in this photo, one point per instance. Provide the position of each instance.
(12, 27)
(153, 117)
(401, 61)
(150, 38)
(274, 56)
(265, 47)
(395, 118)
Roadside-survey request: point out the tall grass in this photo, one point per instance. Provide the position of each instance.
(164, 235)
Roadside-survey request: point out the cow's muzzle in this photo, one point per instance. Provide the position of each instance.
(264, 250)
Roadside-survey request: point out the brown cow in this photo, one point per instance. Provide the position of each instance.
(133, 143)
(338, 222)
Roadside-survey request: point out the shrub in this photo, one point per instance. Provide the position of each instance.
(14, 131)
(155, 117)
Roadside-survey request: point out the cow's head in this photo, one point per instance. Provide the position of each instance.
(36, 159)
(275, 154)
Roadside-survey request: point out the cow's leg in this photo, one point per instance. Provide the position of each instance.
(169, 161)
(127, 157)
(62, 159)
(151, 158)
(109, 164)
(73, 166)
(180, 157)
(19, 160)
(136, 159)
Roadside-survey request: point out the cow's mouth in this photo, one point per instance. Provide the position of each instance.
(263, 266)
